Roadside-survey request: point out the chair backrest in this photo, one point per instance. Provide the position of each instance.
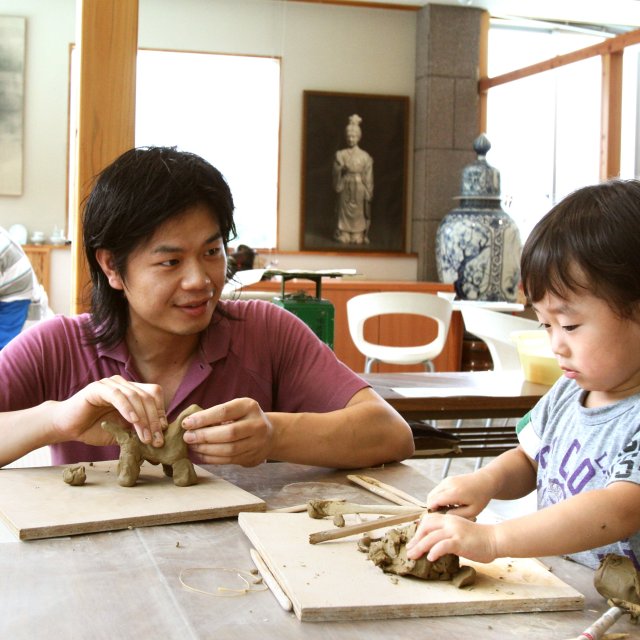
(495, 329)
(368, 305)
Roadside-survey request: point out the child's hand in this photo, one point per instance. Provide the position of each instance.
(439, 534)
(465, 495)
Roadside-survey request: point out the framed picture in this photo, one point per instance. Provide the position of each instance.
(12, 56)
(354, 172)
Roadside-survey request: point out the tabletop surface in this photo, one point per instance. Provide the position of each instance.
(458, 394)
(126, 583)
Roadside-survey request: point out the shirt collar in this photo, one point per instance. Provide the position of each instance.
(215, 342)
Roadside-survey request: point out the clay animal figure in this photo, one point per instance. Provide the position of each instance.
(390, 554)
(173, 455)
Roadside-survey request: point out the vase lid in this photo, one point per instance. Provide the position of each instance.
(480, 179)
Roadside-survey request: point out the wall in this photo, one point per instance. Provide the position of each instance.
(323, 47)
(50, 30)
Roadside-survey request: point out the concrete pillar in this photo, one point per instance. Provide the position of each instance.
(448, 54)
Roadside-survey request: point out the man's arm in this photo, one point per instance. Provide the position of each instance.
(79, 417)
(366, 432)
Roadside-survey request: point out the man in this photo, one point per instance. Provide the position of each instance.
(156, 228)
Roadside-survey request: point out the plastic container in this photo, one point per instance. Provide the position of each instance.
(536, 358)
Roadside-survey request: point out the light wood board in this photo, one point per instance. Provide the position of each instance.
(335, 581)
(37, 503)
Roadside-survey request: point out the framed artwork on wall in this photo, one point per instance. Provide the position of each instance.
(354, 172)
(12, 54)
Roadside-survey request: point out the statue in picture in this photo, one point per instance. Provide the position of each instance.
(353, 182)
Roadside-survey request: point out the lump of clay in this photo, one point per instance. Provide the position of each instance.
(75, 476)
(390, 554)
(617, 577)
(173, 455)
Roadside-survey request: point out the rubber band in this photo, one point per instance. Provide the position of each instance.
(222, 591)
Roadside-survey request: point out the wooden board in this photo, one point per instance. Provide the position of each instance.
(36, 502)
(335, 581)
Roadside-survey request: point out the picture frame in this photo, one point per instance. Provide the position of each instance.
(12, 62)
(337, 213)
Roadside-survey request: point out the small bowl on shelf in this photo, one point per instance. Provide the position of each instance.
(37, 237)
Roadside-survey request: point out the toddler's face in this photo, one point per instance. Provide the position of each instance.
(593, 345)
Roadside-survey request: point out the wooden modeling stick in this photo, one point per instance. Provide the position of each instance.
(271, 581)
(324, 508)
(343, 532)
(386, 491)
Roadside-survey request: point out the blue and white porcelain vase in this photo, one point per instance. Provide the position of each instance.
(478, 244)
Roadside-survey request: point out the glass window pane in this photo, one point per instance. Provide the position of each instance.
(630, 143)
(226, 109)
(544, 129)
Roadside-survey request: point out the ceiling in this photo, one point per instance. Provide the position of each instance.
(597, 12)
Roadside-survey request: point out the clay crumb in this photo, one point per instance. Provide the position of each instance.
(338, 520)
(465, 577)
(75, 476)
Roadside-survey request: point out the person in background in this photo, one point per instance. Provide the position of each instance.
(156, 228)
(18, 287)
(580, 445)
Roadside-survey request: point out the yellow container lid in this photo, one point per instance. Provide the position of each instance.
(538, 362)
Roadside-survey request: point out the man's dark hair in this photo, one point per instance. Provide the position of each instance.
(131, 198)
(590, 240)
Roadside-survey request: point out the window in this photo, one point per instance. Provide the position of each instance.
(544, 129)
(225, 108)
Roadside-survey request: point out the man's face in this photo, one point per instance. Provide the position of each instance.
(174, 281)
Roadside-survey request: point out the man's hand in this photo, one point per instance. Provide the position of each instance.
(115, 399)
(235, 432)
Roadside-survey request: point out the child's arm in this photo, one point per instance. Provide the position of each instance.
(511, 475)
(586, 521)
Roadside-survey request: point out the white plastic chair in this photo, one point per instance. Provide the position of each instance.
(368, 305)
(494, 329)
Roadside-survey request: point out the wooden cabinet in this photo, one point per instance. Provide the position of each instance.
(392, 329)
(40, 257)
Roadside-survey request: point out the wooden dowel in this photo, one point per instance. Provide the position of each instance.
(385, 491)
(343, 532)
(271, 581)
(296, 508)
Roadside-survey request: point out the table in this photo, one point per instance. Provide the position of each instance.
(125, 584)
(419, 397)
(460, 394)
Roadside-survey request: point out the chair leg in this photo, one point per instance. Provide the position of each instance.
(480, 460)
(447, 462)
(368, 363)
(428, 366)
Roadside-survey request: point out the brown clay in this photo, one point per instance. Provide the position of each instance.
(390, 554)
(75, 476)
(617, 577)
(173, 455)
